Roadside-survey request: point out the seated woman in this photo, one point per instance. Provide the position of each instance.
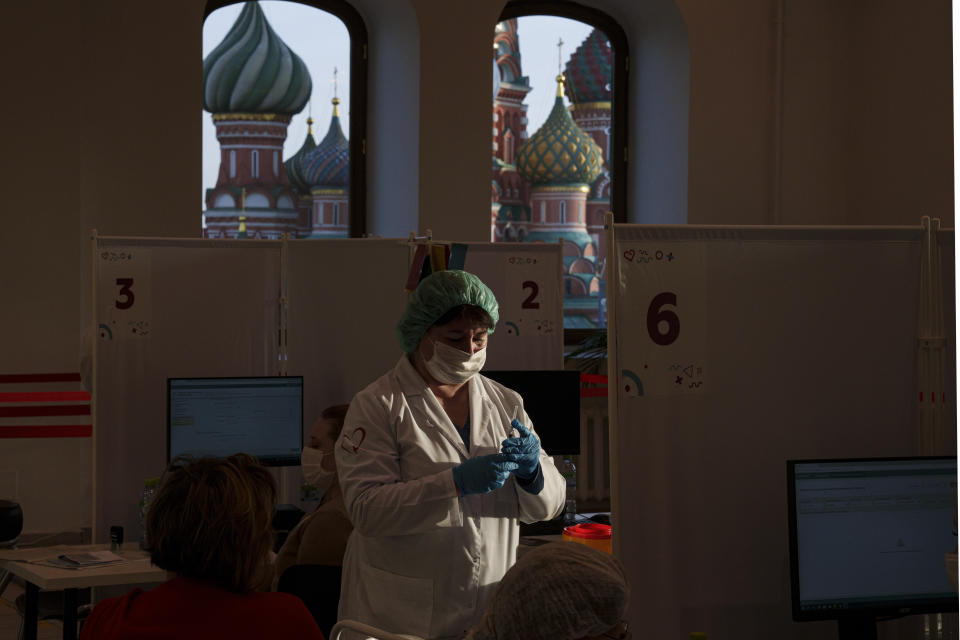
(209, 526)
(558, 591)
(320, 537)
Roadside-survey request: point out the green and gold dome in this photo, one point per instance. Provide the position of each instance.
(254, 71)
(560, 152)
(294, 164)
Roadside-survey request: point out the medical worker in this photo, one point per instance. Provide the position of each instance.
(438, 465)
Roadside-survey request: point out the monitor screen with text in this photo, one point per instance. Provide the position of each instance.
(871, 533)
(222, 416)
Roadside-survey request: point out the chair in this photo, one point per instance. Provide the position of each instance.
(318, 586)
(367, 630)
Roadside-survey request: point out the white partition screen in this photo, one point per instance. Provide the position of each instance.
(346, 296)
(527, 280)
(735, 350)
(168, 309)
(181, 308)
(344, 299)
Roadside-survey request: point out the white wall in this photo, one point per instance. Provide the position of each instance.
(393, 125)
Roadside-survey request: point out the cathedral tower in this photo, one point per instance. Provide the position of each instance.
(252, 84)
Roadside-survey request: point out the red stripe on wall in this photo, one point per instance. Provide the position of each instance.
(594, 378)
(46, 410)
(51, 431)
(593, 393)
(39, 377)
(45, 396)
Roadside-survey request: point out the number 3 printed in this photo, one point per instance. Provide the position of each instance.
(530, 302)
(126, 292)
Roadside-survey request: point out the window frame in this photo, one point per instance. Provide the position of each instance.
(619, 103)
(359, 74)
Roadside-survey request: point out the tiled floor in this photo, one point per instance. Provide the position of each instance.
(10, 619)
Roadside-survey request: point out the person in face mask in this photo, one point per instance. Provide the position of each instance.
(320, 537)
(438, 466)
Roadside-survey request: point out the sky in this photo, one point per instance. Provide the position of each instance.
(322, 42)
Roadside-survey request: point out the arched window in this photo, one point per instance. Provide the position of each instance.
(322, 35)
(535, 41)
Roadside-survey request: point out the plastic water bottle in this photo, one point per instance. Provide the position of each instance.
(569, 471)
(146, 497)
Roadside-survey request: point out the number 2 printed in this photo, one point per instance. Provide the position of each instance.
(125, 292)
(531, 300)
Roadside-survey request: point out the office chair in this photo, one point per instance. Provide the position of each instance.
(367, 630)
(318, 585)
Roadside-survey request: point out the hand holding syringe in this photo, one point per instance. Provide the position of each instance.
(525, 447)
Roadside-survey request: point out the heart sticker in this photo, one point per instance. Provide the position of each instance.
(629, 254)
(350, 443)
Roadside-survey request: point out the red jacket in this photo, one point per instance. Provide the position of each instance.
(185, 609)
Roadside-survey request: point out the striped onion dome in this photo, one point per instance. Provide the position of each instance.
(559, 152)
(294, 164)
(507, 52)
(589, 70)
(254, 71)
(328, 165)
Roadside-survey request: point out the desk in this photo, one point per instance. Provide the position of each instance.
(137, 569)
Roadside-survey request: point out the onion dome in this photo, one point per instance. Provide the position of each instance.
(254, 71)
(589, 70)
(329, 163)
(496, 75)
(559, 152)
(507, 46)
(294, 164)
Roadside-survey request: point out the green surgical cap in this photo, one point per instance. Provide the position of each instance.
(435, 295)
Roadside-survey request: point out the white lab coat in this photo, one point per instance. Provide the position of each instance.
(422, 560)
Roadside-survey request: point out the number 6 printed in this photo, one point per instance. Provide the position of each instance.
(126, 292)
(656, 314)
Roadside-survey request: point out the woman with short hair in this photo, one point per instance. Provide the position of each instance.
(209, 526)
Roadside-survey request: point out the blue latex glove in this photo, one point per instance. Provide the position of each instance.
(525, 449)
(484, 473)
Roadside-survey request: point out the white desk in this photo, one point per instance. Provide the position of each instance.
(137, 569)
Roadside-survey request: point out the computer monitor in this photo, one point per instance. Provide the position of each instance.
(222, 416)
(868, 539)
(552, 400)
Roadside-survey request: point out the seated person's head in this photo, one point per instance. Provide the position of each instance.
(327, 428)
(211, 520)
(558, 591)
(317, 458)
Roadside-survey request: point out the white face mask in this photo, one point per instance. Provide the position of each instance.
(313, 473)
(452, 366)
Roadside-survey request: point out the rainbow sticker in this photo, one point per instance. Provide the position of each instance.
(631, 383)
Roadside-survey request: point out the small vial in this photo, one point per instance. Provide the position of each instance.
(116, 538)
